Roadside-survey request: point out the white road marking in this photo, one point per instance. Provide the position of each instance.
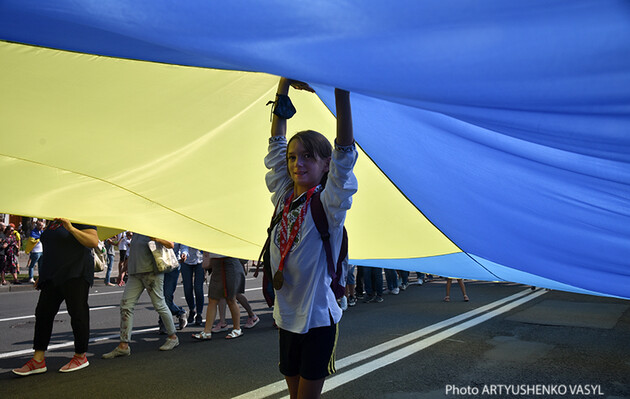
(408, 349)
(71, 343)
(60, 312)
(248, 289)
(415, 347)
(96, 293)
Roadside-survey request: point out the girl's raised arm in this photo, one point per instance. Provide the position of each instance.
(279, 125)
(345, 135)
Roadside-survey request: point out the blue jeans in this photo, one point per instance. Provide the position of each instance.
(170, 284)
(154, 284)
(404, 276)
(373, 280)
(195, 300)
(350, 279)
(110, 264)
(392, 279)
(36, 257)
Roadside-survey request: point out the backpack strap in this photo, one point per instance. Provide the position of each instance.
(321, 222)
(274, 220)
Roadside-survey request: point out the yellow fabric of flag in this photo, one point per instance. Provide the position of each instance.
(170, 151)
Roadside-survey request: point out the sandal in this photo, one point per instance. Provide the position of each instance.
(234, 334)
(220, 328)
(202, 336)
(447, 298)
(466, 299)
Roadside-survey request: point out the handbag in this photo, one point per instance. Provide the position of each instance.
(99, 260)
(165, 258)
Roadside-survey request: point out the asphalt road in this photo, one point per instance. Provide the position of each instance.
(507, 342)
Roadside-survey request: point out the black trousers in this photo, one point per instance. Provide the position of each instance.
(75, 293)
(359, 288)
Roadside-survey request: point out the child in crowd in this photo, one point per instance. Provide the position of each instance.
(305, 308)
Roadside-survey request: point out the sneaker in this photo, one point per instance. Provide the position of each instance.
(352, 301)
(404, 286)
(117, 352)
(369, 298)
(191, 316)
(387, 291)
(77, 363)
(378, 299)
(396, 291)
(198, 320)
(343, 303)
(217, 328)
(170, 344)
(360, 297)
(182, 321)
(419, 282)
(32, 281)
(31, 367)
(252, 321)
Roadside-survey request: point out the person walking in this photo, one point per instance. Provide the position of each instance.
(449, 281)
(227, 280)
(193, 276)
(11, 247)
(35, 255)
(67, 273)
(109, 250)
(143, 275)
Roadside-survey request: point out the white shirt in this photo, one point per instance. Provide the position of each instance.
(123, 241)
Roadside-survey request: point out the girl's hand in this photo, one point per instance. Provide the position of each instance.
(296, 84)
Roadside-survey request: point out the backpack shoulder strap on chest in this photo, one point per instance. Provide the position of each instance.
(321, 222)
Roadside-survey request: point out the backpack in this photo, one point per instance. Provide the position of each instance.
(321, 222)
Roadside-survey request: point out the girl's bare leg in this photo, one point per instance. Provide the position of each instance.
(236, 313)
(211, 314)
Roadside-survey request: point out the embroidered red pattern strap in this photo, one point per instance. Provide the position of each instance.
(287, 241)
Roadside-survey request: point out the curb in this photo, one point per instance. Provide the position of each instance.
(17, 288)
(26, 286)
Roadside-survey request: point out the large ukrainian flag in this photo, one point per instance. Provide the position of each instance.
(494, 135)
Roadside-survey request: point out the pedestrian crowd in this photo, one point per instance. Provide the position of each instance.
(12, 242)
(137, 273)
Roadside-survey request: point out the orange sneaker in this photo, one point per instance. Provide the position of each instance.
(77, 363)
(31, 367)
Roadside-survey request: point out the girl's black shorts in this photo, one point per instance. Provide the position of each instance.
(310, 355)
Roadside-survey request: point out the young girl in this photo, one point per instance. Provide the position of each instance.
(305, 308)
